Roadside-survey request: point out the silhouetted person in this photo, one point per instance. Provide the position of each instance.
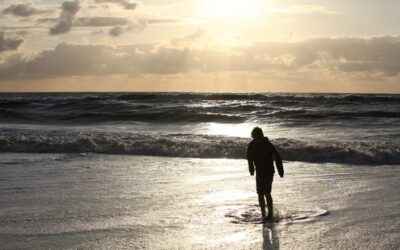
(262, 154)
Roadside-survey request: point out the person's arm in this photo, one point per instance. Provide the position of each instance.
(278, 161)
(250, 160)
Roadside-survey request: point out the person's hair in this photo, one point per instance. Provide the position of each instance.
(257, 133)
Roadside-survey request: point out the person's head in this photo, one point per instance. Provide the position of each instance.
(257, 133)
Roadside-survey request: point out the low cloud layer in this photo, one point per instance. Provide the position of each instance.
(333, 56)
(22, 9)
(100, 21)
(125, 4)
(116, 31)
(120, 25)
(67, 16)
(123, 25)
(9, 43)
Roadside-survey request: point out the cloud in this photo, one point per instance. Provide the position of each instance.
(116, 31)
(22, 33)
(82, 60)
(64, 24)
(97, 21)
(47, 20)
(329, 56)
(300, 9)
(137, 24)
(22, 9)
(160, 20)
(348, 54)
(9, 43)
(121, 24)
(100, 21)
(125, 4)
(189, 38)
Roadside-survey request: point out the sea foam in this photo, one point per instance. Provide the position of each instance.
(192, 145)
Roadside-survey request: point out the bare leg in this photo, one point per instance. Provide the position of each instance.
(261, 201)
(270, 206)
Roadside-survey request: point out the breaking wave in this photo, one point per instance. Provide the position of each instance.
(196, 146)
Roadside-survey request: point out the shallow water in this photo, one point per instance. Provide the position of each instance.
(95, 201)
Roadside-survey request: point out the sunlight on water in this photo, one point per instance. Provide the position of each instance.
(227, 195)
(244, 130)
(235, 237)
(224, 241)
(235, 130)
(209, 178)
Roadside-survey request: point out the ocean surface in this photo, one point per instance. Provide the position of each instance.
(358, 129)
(168, 171)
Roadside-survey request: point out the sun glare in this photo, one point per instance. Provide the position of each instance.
(238, 9)
(235, 130)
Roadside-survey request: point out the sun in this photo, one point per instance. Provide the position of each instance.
(236, 9)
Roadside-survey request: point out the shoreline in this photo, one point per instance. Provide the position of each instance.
(101, 201)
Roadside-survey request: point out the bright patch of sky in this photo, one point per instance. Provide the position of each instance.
(205, 39)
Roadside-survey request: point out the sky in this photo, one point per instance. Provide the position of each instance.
(200, 45)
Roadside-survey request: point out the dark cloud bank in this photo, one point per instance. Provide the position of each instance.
(22, 9)
(380, 55)
(116, 31)
(9, 43)
(67, 16)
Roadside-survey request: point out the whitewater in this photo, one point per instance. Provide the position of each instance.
(359, 129)
(168, 171)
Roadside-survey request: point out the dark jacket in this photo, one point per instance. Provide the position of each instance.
(262, 154)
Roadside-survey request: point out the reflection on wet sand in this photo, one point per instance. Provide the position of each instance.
(270, 236)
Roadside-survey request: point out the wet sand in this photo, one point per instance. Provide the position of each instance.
(92, 201)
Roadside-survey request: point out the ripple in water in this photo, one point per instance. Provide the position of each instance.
(250, 214)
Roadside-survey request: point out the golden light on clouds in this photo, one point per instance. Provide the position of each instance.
(235, 9)
(206, 45)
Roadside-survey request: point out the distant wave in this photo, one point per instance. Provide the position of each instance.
(16, 98)
(197, 146)
(100, 113)
(92, 108)
(266, 97)
(306, 114)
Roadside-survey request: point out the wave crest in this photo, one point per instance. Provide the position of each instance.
(196, 146)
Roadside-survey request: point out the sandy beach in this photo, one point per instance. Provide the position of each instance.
(91, 201)
(130, 124)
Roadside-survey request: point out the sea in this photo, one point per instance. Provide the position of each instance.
(168, 171)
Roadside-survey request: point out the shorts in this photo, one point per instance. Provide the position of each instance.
(264, 183)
